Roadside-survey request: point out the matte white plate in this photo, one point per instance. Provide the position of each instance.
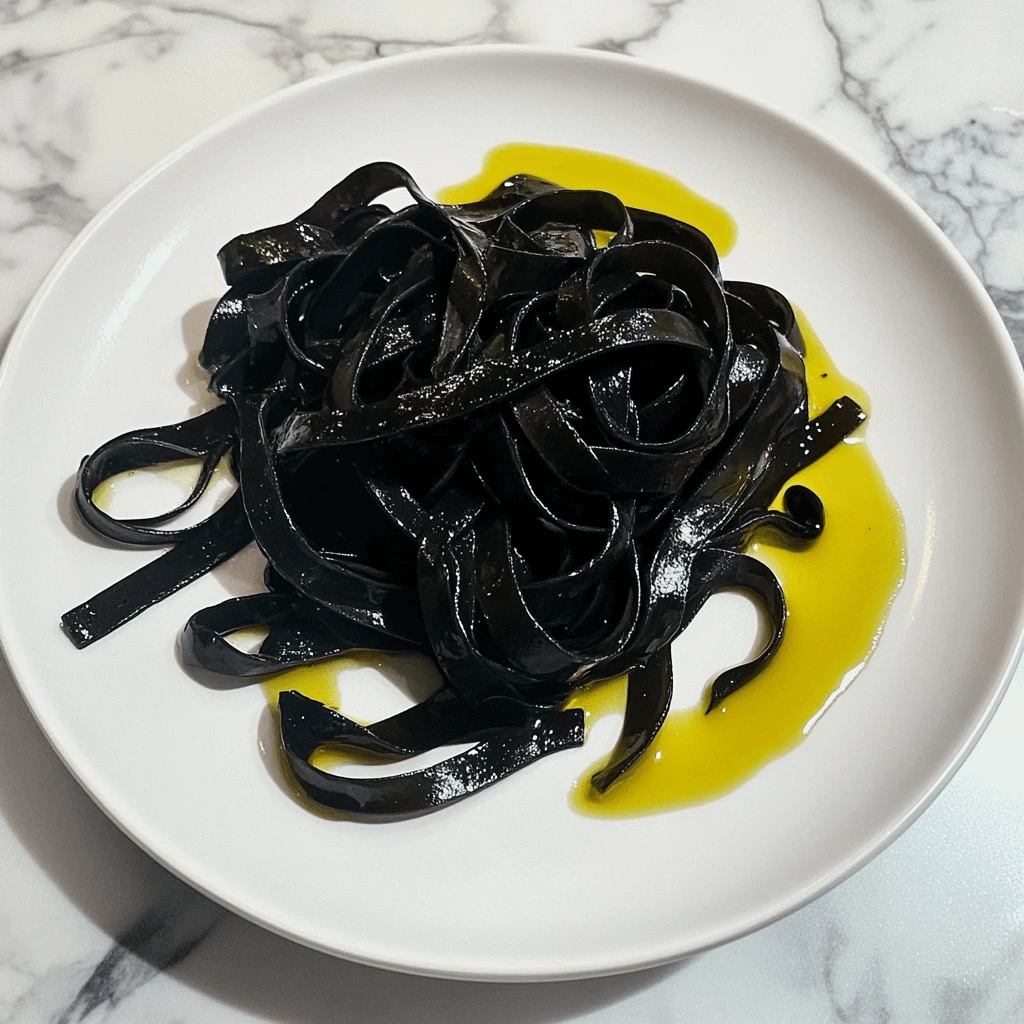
(512, 883)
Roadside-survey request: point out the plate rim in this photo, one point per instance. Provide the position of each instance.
(469, 969)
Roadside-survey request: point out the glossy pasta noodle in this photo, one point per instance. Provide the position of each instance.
(472, 431)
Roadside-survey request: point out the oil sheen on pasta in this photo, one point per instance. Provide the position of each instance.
(838, 589)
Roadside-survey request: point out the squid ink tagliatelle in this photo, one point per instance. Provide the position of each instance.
(472, 431)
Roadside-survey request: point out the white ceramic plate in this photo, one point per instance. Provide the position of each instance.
(512, 883)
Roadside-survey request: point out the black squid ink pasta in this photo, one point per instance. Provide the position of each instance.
(473, 432)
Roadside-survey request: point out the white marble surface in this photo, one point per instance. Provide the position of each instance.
(93, 92)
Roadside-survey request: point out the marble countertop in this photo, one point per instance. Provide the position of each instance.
(92, 92)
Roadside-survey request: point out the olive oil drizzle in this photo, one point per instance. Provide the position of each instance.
(838, 591)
